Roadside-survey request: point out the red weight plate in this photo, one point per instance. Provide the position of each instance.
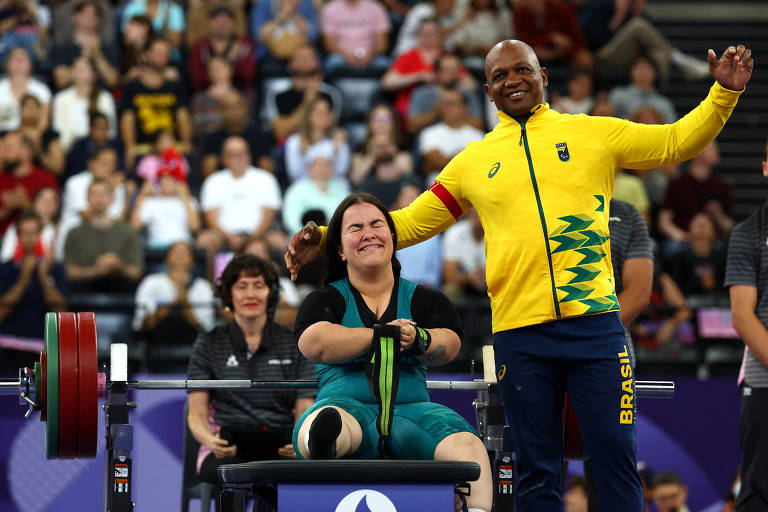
(68, 386)
(573, 442)
(43, 386)
(88, 422)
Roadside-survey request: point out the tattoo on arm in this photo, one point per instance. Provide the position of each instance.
(438, 354)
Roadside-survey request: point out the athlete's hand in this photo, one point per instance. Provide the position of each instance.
(303, 248)
(407, 332)
(734, 69)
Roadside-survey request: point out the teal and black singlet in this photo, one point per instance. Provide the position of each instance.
(418, 425)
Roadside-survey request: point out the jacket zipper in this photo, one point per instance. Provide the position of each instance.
(524, 142)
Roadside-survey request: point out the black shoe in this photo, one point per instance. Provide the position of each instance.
(323, 432)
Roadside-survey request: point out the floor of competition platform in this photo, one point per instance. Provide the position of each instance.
(670, 436)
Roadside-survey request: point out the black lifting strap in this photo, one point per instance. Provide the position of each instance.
(383, 373)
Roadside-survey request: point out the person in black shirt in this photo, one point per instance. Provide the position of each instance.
(150, 104)
(235, 119)
(246, 425)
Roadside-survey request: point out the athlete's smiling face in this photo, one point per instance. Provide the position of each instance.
(514, 79)
(366, 241)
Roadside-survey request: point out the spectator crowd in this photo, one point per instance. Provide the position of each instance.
(144, 142)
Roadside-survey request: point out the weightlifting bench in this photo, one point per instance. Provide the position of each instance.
(342, 485)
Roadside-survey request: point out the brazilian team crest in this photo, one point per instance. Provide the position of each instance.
(562, 151)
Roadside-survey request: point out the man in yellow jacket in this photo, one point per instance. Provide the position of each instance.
(541, 183)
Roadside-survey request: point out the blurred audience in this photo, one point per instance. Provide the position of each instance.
(222, 42)
(580, 98)
(420, 263)
(31, 283)
(20, 178)
(439, 143)
(164, 154)
(415, 66)
(102, 254)
(669, 492)
(73, 106)
(449, 75)
(381, 146)
(285, 108)
(464, 258)
(46, 205)
(235, 122)
(174, 306)
(86, 41)
(198, 23)
(282, 28)
(238, 201)
(486, 22)
(443, 12)
(699, 269)
(697, 190)
(49, 153)
(17, 83)
(320, 189)
(389, 171)
(355, 35)
(149, 104)
(97, 136)
(206, 103)
(102, 164)
(170, 213)
(553, 30)
(167, 17)
(641, 92)
(317, 135)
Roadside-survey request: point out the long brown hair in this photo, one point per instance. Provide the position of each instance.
(305, 129)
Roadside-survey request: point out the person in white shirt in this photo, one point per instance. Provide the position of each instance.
(439, 143)
(239, 201)
(17, 83)
(173, 306)
(172, 214)
(73, 105)
(102, 163)
(464, 258)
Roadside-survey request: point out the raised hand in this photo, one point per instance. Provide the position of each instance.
(303, 247)
(734, 68)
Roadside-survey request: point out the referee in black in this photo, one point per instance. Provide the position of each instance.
(242, 425)
(632, 261)
(746, 275)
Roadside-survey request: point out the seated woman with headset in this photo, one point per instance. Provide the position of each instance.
(335, 327)
(246, 425)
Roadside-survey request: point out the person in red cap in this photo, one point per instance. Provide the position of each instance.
(163, 154)
(168, 210)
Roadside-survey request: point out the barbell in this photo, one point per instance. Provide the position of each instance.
(65, 384)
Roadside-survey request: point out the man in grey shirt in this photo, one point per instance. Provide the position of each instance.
(632, 260)
(746, 275)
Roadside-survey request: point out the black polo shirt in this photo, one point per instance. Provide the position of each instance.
(223, 353)
(748, 265)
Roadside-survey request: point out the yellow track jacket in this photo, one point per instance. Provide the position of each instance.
(541, 188)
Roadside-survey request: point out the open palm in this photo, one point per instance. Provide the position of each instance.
(734, 68)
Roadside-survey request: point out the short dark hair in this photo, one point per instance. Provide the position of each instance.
(98, 150)
(94, 116)
(82, 4)
(667, 477)
(28, 215)
(244, 265)
(337, 269)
